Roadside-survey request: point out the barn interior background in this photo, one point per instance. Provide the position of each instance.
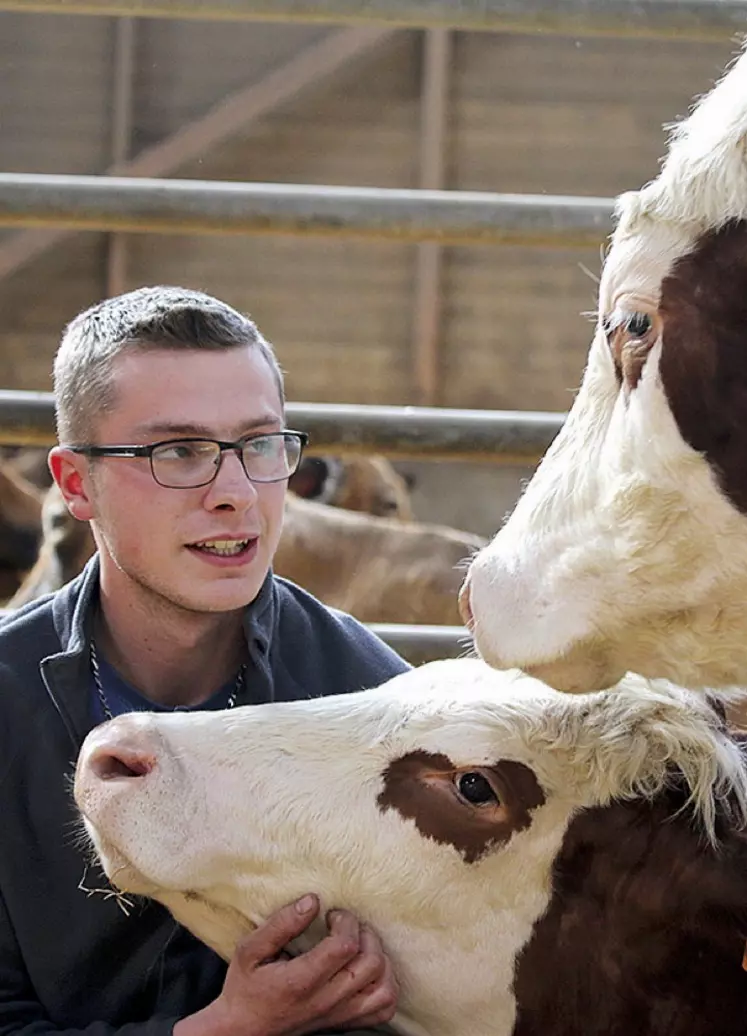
(372, 100)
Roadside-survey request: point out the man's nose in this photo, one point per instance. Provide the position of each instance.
(231, 485)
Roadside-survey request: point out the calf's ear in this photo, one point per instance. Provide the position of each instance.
(310, 478)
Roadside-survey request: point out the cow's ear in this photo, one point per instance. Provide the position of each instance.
(310, 479)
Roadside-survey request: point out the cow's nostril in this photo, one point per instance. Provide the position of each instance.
(465, 605)
(121, 764)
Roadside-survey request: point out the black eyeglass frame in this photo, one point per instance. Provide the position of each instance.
(237, 447)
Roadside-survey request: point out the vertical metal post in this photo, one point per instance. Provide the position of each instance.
(426, 321)
(121, 140)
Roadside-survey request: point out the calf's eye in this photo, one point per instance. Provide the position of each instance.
(638, 325)
(475, 789)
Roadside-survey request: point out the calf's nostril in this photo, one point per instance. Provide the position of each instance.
(121, 764)
(465, 605)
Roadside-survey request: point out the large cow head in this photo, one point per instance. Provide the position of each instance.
(537, 864)
(628, 549)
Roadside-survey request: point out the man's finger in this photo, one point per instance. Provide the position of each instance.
(322, 962)
(366, 969)
(370, 1008)
(277, 931)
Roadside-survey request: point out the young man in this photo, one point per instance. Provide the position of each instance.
(173, 445)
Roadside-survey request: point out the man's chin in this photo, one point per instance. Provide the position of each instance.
(233, 591)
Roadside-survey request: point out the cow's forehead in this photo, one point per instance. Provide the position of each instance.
(642, 254)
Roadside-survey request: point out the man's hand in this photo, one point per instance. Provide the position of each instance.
(344, 982)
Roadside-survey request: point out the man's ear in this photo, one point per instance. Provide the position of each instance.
(71, 473)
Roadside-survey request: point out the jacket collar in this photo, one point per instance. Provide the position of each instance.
(67, 673)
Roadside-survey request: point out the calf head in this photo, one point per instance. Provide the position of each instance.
(628, 549)
(536, 863)
(368, 484)
(66, 546)
(20, 520)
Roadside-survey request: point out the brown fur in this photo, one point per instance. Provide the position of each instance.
(30, 462)
(378, 569)
(644, 932)
(66, 546)
(20, 528)
(368, 484)
(418, 786)
(704, 354)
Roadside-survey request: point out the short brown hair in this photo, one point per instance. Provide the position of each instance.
(159, 317)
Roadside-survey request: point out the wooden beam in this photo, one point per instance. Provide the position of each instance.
(237, 111)
(426, 319)
(121, 140)
(699, 20)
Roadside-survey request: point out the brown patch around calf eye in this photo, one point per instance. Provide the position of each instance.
(704, 353)
(422, 786)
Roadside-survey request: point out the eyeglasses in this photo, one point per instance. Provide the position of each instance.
(190, 463)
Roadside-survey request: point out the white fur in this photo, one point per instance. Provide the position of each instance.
(623, 552)
(247, 809)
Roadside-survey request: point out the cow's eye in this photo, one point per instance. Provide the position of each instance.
(638, 324)
(475, 789)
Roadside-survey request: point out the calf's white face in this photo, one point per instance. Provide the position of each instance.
(628, 549)
(432, 807)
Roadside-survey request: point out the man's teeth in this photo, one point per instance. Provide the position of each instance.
(226, 548)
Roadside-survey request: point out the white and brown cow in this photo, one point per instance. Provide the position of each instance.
(538, 864)
(628, 549)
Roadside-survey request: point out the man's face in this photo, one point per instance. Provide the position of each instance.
(160, 538)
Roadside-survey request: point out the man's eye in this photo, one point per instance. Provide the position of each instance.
(638, 325)
(264, 447)
(180, 451)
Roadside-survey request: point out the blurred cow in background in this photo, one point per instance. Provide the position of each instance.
(367, 484)
(20, 528)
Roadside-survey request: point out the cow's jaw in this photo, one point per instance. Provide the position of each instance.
(624, 553)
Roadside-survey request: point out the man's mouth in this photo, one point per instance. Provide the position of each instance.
(224, 548)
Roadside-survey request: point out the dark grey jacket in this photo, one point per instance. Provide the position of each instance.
(71, 962)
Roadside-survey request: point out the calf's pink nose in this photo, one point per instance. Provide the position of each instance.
(120, 762)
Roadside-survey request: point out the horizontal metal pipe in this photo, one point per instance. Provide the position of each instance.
(417, 644)
(668, 19)
(425, 433)
(420, 644)
(108, 203)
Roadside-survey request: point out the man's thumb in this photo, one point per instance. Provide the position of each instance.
(278, 930)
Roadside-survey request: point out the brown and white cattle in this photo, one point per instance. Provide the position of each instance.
(628, 549)
(66, 545)
(538, 864)
(20, 528)
(357, 483)
(378, 569)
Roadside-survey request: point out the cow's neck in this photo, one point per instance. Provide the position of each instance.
(644, 933)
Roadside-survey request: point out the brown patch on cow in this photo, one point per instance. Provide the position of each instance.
(645, 930)
(704, 353)
(420, 787)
